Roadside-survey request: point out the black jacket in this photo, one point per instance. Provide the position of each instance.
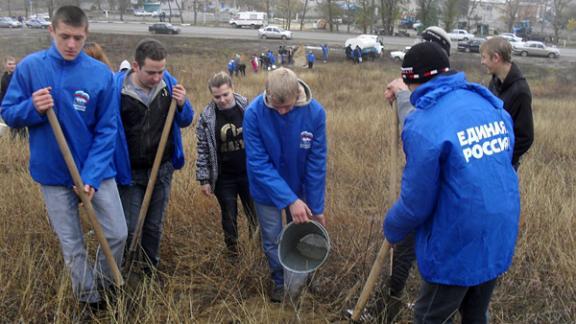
(143, 126)
(515, 93)
(6, 77)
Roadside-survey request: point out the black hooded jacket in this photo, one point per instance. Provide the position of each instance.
(515, 93)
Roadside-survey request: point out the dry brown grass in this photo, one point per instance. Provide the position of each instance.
(201, 286)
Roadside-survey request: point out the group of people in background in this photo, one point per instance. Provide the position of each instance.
(457, 213)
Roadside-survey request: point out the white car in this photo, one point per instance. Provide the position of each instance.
(534, 48)
(274, 32)
(511, 37)
(367, 43)
(398, 56)
(460, 35)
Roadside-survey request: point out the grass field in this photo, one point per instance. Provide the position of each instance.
(199, 285)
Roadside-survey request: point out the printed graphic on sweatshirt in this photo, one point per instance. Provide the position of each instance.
(231, 138)
(484, 140)
(81, 100)
(306, 140)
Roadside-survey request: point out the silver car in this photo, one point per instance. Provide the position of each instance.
(7, 22)
(534, 48)
(274, 32)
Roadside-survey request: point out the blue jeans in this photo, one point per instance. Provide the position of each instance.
(438, 303)
(62, 206)
(227, 191)
(132, 197)
(270, 219)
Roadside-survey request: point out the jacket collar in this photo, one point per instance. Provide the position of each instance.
(55, 55)
(427, 95)
(513, 75)
(304, 96)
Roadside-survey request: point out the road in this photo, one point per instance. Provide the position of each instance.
(306, 37)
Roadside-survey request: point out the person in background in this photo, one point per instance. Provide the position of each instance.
(95, 50)
(80, 90)
(124, 66)
(310, 58)
(285, 136)
(458, 144)
(324, 52)
(254, 63)
(221, 158)
(145, 94)
(357, 54)
(231, 67)
(9, 67)
(510, 85)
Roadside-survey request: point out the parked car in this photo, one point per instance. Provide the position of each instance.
(367, 43)
(534, 48)
(398, 56)
(252, 19)
(37, 23)
(274, 32)
(7, 22)
(460, 35)
(472, 45)
(511, 37)
(163, 28)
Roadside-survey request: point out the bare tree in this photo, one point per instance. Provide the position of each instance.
(389, 12)
(180, 6)
(450, 14)
(195, 8)
(427, 12)
(511, 8)
(122, 6)
(469, 10)
(303, 14)
(365, 15)
(287, 9)
(559, 16)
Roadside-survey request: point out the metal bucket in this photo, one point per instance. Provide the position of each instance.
(304, 247)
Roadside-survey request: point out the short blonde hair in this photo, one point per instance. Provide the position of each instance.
(219, 79)
(282, 85)
(497, 45)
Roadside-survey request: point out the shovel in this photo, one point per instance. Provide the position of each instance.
(53, 120)
(150, 186)
(357, 313)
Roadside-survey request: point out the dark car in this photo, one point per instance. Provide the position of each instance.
(163, 28)
(472, 45)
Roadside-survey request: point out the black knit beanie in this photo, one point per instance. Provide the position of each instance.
(423, 62)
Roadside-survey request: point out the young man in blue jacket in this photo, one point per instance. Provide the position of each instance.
(145, 93)
(459, 190)
(80, 90)
(285, 137)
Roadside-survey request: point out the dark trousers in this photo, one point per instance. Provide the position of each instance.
(132, 197)
(438, 303)
(389, 303)
(310, 65)
(227, 191)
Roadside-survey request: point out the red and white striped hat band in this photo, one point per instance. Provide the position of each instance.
(408, 73)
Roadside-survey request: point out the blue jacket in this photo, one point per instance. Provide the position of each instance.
(182, 118)
(310, 57)
(85, 104)
(286, 154)
(459, 190)
(232, 65)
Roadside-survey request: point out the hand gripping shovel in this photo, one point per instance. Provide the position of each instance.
(85, 201)
(380, 258)
(150, 187)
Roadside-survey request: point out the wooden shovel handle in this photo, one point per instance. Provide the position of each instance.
(53, 120)
(151, 183)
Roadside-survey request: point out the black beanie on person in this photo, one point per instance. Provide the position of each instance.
(423, 62)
